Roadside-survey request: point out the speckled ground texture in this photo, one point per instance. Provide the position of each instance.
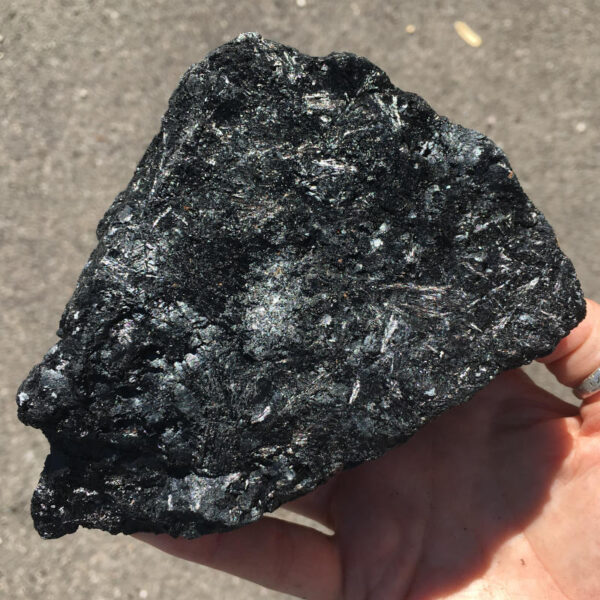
(308, 265)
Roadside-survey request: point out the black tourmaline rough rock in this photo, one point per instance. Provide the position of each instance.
(308, 265)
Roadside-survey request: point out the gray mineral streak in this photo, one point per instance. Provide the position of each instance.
(307, 266)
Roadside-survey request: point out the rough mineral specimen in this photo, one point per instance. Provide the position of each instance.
(308, 265)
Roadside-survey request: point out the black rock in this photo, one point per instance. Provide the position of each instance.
(308, 265)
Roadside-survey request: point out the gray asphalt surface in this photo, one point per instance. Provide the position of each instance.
(83, 85)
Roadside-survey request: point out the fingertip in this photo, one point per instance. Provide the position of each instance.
(284, 556)
(578, 354)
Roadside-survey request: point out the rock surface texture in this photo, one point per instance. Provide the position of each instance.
(308, 265)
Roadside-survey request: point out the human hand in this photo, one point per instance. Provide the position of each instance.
(497, 498)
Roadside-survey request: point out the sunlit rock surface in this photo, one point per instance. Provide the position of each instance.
(307, 266)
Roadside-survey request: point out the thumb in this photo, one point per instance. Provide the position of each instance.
(576, 357)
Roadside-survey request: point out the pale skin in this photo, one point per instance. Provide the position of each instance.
(496, 499)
